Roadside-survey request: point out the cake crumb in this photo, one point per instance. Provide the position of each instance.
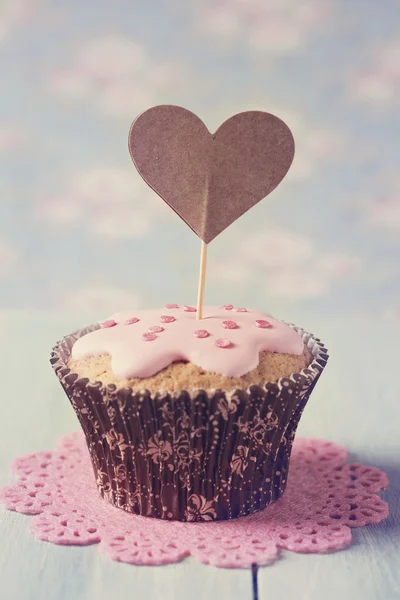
(187, 376)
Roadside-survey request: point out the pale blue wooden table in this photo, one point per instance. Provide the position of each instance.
(357, 403)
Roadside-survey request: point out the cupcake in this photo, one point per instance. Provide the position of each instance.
(189, 419)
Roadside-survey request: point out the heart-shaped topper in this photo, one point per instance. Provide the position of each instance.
(210, 180)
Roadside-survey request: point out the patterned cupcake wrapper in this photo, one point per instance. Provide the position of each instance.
(190, 456)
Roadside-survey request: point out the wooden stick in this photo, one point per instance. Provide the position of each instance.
(202, 280)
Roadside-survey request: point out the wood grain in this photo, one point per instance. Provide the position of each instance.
(357, 404)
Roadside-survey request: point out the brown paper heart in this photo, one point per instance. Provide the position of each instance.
(210, 180)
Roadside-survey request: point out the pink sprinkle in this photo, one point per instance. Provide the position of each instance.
(240, 309)
(263, 324)
(189, 308)
(155, 329)
(108, 323)
(172, 306)
(149, 337)
(223, 343)
(229, 325)
(227, 306)
(201, 333)
(131, 321)
(167, 319)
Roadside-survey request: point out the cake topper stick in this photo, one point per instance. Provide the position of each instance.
(210, 180)
(202, 280)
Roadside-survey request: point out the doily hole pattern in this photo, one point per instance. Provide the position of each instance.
(325, 498)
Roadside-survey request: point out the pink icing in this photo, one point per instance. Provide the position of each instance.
(263, 324)
(131, 321)
(132, 357)
(167, 319)
(172, 306)
(189, 308)
(155, 329)
(223, 343)
(229, 325)
(201, 333)
(149, 337)
(108, 323)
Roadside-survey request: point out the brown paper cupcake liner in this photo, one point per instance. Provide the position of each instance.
(190, 456)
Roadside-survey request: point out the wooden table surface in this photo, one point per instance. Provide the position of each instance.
(356, 403)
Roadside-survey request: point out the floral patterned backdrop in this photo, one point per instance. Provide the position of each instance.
(79, 230)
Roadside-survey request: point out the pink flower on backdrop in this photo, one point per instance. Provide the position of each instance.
(385, 211)
(274, 27)
(292, 265)
(97, 298)
(111, 202)
(116, 74)
(9, 257)
(12, 138)
(14, 13)
(378, 86)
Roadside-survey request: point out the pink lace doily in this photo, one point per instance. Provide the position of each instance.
(324, 498)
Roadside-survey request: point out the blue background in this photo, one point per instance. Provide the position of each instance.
(79, 230)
